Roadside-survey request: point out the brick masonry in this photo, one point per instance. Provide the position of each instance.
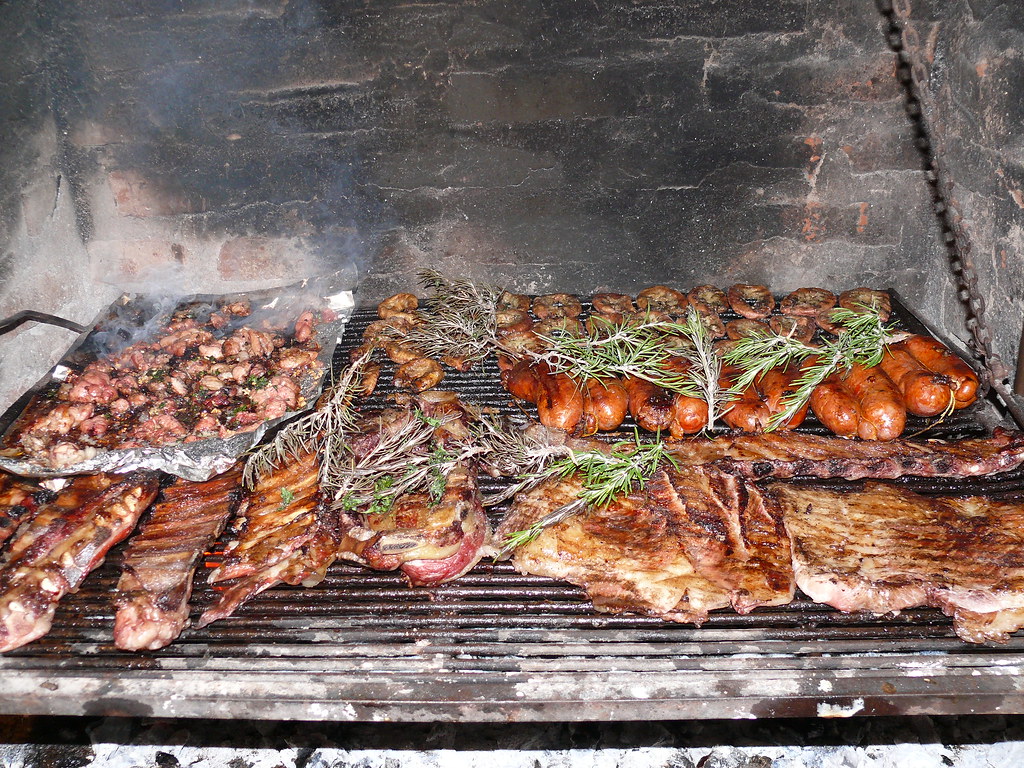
(546, 146)
(974, 89)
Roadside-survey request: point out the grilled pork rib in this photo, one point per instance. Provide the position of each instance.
(693, 540)
(802, 455)
(885, 549)
(161, 558)
(68, 538)
(284, 533)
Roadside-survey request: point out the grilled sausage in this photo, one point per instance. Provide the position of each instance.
(520, 380)
(777, 384)
(925, 392)
(836, 407)
(649, 404)
(559, 399)
(747, 411)
(688, 415)
(937, 357)
(605, 403)
(882, 411)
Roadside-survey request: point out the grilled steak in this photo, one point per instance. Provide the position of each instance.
(885, 549)
(429, 542)
(68, 538)
(283, 533)
(628, 557)
(161, 558)
(694, 539)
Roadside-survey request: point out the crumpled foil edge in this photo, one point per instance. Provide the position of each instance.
(200, 460)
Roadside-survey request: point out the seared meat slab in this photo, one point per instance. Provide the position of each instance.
(628, 557)
(429, 542)
(52, 554)
(793, 454)
(284, 533)
(693, 540)
(885, 549)
(160, 560)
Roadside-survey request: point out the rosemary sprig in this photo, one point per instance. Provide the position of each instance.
(620, 349)
(705, 369)
(605, 476)
(322, 429)
(862, 341)
(403, 460)
(511, 451)
(459, 318)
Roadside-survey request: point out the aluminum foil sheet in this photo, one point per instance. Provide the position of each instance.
(127, 320)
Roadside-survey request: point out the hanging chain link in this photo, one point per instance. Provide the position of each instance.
(914, 61)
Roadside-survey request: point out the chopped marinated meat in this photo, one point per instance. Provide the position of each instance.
(154, 393)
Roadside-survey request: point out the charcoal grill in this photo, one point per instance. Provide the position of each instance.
(499, 646)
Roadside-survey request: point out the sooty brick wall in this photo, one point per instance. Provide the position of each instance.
(972, 57)
(544, 145)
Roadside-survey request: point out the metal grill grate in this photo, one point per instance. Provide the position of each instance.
(497, 645)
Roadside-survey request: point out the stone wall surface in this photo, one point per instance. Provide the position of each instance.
(972, 57)
(543, 145)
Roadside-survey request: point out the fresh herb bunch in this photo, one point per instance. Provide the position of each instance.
(705, 369)
(862, 340)
(322, 429)
(459, 318)
(509, 450)
(626, 348)
(605, 475)
(406, 458)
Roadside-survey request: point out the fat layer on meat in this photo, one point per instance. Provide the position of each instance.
(885, 549)
(17, 504)
(53, 553)
(430, 542)
(161, 558)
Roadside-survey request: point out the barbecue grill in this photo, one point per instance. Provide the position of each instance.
(713, 180)
(500, 646)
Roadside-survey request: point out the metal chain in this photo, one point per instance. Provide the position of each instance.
(916, 76)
